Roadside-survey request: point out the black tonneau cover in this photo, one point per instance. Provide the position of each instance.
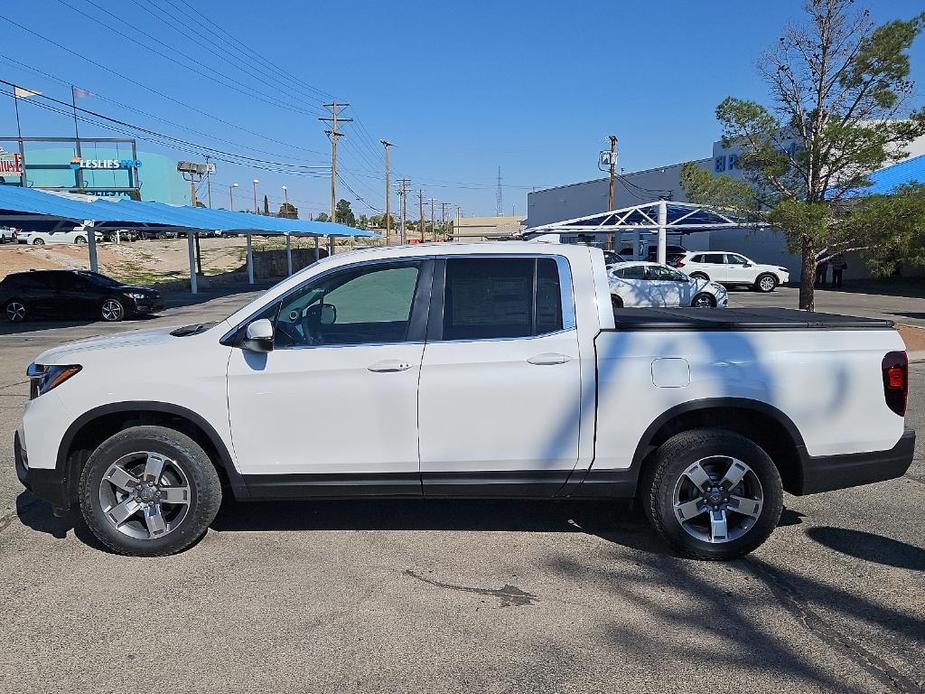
(739, 319)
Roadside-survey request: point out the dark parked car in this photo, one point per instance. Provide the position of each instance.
(73, 294)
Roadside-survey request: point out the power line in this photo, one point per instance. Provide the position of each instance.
(230, 83)
(140, 84)
(53, 78)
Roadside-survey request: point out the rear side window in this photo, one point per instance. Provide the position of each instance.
(488, 298)
(634, 272)
(32, 280)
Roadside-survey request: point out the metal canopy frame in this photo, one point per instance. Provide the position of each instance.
(659, 216)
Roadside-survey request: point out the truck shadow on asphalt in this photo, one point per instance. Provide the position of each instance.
(620, 523)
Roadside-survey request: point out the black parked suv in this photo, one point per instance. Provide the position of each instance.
(73, 294)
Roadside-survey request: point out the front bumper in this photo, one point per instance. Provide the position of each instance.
(49, 485)
(152, 305)
(825, 473)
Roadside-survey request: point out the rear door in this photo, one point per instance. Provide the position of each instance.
(499, 396)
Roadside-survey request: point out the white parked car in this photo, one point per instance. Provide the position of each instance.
(638, 283)
(77, 235)
(732, 269)
(466, 370)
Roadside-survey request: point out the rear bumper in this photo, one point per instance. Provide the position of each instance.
(45, 484)
(825, 473)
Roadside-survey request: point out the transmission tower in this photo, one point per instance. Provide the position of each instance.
(498, 198)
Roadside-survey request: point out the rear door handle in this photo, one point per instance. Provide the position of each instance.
(390, 366)
(549, 359)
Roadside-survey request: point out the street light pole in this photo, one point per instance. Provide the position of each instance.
(255, 196)
(231, 188)
(286, 194)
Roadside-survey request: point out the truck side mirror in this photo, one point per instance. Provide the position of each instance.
(258, 336)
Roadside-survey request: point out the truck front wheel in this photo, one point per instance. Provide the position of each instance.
(712, 494)
(149, 491)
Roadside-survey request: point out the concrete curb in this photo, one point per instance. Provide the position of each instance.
(916, 357)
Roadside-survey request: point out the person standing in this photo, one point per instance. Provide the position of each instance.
(822, 273)
(838, 269)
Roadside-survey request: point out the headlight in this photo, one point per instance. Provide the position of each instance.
(136, 295)
(43, 378)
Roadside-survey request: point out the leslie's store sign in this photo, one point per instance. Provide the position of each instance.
(10, 163)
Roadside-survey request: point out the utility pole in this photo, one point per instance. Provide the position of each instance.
(209, 181)
(388, 195)
(421, 203)
(458, 222)
(443, 206)
(433, 228)
(613, 170)
(333, 133)
(403, 196)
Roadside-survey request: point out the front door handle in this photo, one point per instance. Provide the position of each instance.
(390, 366)
(549, 359)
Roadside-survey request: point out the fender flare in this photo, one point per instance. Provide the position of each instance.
(226, 462)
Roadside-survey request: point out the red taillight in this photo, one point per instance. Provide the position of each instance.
(896, 381)
(679, 263)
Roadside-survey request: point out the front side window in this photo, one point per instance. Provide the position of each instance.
(733, 259)
(487, 298)
(364, 305)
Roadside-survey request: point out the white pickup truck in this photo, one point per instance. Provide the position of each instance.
(466, 370)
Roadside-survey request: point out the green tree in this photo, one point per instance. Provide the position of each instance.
(343, 214)
(289, 211)
(363, 222)
(839, 109)
(322, 217)
(266, 205)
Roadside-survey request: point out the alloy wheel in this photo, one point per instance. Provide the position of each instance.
(767, 284)
(112, 310)
(15, 311)
(703, 301)
(145, 495)
(718, 499)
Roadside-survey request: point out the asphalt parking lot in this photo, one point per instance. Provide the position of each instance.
(463, 596)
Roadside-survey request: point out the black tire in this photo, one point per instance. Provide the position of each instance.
(699, 276)
(38, 242)
(204, 499)
(765, 283)
(80, 241)
(704, 296)
(112, 310)
(616, 301)
(15, 311)
(667, 471)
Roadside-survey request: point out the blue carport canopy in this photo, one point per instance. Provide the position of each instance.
(41, 211)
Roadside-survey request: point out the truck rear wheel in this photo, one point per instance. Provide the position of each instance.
(712, 494)
(149, 491)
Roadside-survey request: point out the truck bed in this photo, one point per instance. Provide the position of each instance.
(739, 319)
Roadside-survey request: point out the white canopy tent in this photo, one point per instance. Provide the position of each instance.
(660, 216)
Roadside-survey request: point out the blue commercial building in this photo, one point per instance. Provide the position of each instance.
(104, 168)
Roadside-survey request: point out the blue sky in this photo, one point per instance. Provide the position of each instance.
(461, 88)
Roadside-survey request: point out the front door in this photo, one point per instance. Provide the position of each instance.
(500, 381)
(334, 406)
